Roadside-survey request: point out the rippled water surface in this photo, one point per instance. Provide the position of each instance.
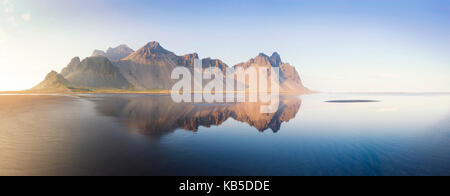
(321, 134)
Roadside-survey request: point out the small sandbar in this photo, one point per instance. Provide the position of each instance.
(352, 101)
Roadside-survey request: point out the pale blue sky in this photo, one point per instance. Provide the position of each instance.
(336, 45)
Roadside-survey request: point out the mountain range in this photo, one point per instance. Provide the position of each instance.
(149, 68)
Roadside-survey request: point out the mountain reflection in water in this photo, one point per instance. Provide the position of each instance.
(158, 115)
(101, 134)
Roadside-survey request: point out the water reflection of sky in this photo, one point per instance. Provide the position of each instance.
(149, 135)
(400, 135)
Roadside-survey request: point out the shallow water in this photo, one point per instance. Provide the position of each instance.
(400, 134)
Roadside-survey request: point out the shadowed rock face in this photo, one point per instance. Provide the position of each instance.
(72, 66)
(158, 115)
(96, 72)
(215, 63)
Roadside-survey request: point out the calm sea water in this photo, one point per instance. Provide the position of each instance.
(321, 134)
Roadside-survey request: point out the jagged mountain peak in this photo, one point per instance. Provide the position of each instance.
(98, 53)
(193, 55)
(153, 48)
(262, 59)
(261, 54)
(73, 65)
(53, 82)
(153, 44)
(97, 59)
(123, 48)
(289, 77)
(276, 59)
(114, 54)
(75, 60)
(95, 72)
(209, 62)
(151, 53)
(187, 60)
(51, 74)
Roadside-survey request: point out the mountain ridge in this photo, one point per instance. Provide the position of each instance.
(150, 67)
(114, 54)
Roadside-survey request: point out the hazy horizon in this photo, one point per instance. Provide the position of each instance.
(337, 46)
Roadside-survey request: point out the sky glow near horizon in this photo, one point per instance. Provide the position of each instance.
(336, 45)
